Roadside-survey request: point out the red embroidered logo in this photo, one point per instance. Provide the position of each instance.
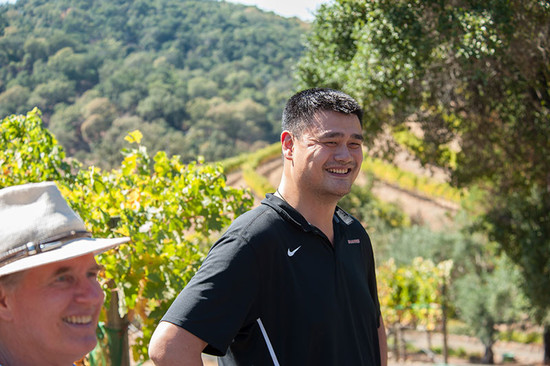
(354, 241)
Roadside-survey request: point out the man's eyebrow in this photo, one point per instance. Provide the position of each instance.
(61, 270)
(65, 269)
(356, 136)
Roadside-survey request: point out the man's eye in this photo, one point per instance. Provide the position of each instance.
(64, 279)
(355, 145)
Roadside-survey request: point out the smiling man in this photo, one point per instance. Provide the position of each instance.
(50, 298)
(292, 282)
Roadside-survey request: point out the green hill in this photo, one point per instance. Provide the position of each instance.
(197, 77)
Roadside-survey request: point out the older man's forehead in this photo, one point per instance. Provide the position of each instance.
(67, 268)
(86, 261)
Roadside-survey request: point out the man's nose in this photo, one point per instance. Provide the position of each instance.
(90, 291)
(343, 154)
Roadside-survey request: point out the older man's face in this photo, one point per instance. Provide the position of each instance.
(54, 309)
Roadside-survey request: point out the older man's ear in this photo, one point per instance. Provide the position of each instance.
(5, 311)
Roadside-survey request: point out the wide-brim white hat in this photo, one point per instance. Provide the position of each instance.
(38, 227)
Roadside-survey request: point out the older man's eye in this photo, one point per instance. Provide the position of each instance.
(64, 278)
(93, 274)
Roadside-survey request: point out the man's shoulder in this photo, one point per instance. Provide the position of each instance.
(257, 215)
(261, 219)
(255, 231)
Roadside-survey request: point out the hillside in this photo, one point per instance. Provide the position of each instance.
(197, 77)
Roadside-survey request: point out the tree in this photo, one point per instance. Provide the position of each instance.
(486, 298)
(37, 48)
(525, 219)
(474, 71)
(470, 73)
(13, 100)
(413, 295)
(99, 114)
(47, 95)
(485, 286)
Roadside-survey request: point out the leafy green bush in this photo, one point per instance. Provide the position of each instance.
(520, 337)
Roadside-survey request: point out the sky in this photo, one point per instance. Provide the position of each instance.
(302, 9)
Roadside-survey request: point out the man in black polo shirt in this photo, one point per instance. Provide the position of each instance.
(291, 282)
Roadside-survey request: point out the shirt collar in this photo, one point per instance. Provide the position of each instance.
(288, 212)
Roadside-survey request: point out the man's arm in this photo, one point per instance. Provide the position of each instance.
(383, 342)
(173, 345)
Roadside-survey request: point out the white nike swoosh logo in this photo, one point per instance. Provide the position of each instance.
(292, 252)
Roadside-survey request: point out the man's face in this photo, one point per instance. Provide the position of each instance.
(55, 308)
(328, 156)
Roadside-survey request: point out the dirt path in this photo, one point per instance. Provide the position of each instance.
(524, 354)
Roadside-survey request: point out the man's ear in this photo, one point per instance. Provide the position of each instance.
(5, 308)
(287, 143)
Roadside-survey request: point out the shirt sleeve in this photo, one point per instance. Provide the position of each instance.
(219, 300)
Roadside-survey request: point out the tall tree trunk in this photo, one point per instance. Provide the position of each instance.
(119, 348)
(444, 320)
(396, 341)
(546, 342)
(403, 343)
(489, 357)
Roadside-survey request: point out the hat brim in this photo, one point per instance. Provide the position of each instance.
(72, 249)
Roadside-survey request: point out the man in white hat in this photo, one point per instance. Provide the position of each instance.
(50, 298)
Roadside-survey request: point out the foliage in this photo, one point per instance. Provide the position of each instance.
(214, 74)
(412, 295)
(472, 72)
(500, 304)
(421, 241)
(446, 155)
(483, 288)
(520, 336)
(522, 226)
(28, 153)
(168, 209)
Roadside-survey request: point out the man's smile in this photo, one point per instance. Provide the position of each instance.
(78, 319)
(339, 171)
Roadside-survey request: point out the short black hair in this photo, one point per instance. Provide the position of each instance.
(302, 106)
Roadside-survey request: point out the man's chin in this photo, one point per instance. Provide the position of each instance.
(341, 191)
(84, 345)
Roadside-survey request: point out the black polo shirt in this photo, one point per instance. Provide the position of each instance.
(274, 291)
